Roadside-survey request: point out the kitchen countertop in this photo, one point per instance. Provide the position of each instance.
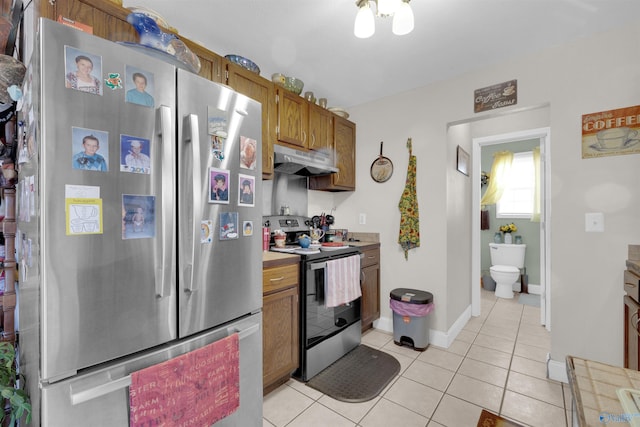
(275, 259)
(593, 388)
(364, 245)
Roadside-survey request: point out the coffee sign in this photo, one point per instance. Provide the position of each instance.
(496, 96)
(611, 133)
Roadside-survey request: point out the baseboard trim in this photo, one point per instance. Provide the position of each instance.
(534, 289)
(557, 370)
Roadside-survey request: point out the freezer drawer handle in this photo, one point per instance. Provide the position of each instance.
(106, 388)
(243, 333)
(101, 390)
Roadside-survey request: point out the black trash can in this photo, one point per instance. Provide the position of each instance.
(411, 308)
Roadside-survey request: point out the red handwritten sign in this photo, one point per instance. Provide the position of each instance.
(194, 389)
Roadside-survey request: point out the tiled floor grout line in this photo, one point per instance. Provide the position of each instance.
(513, 351)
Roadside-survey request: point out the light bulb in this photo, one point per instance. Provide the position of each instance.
(365, 24)
(403, 20)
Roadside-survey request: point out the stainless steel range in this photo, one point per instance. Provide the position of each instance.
(326, 333)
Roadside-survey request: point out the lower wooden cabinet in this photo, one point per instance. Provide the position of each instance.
(370, 283)
(631, 333)
(280, 338)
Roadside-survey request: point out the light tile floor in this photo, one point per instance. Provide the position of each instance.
(497, 362)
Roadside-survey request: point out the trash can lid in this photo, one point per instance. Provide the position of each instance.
(412, 296)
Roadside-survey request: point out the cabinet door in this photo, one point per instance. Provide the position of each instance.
(320, 129)
(262, 90)
(293, 118)
(370, 308)
(631, 333)
(344, 140)
(280, 335)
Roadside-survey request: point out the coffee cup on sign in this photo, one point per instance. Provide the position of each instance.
(609, 139)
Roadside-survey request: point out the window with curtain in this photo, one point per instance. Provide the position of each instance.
(517, 200)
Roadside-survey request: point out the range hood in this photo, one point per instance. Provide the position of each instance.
(305, 163)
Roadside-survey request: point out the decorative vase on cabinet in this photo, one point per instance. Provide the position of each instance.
(508, 239)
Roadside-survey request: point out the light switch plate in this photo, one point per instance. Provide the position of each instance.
(594, 222)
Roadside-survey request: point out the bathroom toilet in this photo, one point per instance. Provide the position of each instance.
(506, 262)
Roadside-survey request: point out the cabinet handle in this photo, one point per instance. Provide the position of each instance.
(634, 323)
(304, 136)
(370, 256)
(276, 279)
(630, 284)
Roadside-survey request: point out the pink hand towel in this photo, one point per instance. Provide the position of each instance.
(342, 284)
(194, 389)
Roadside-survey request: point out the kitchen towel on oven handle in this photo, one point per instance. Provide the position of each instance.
(342, 281)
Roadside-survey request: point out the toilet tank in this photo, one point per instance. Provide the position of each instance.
(505, 254)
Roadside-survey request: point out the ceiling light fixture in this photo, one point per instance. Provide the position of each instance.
(365, 24)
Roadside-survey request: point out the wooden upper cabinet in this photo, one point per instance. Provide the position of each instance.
(320, 129)
(293, 119)
(109, 21)
(344, 138)
(261, 90)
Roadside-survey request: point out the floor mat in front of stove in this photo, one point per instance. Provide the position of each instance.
(358, 376)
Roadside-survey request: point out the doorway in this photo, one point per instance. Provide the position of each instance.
(543, 135)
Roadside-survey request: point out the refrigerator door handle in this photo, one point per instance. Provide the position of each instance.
(164, 285)
(192, 136)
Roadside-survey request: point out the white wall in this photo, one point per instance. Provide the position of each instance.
(591, 75)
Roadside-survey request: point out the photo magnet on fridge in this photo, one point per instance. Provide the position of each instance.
(135, 154)
(206, 231)
(138, 216)
(247, 228)
(90, 149)
(246, 185)
(248, 149)
(218, 186)
(229, 225)
(83, 71)
(139, 86)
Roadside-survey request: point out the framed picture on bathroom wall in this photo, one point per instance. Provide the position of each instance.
(462, 161)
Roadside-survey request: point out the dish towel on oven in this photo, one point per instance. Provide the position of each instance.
(342, 284)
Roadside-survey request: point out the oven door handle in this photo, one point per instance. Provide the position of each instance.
(317, 265)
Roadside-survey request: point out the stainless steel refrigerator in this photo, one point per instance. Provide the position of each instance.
(136, 216)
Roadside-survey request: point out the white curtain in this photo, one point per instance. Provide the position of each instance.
(535, 217)
(497, 179)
